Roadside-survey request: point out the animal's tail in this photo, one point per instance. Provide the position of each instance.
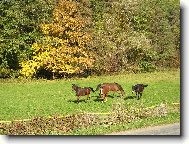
(92, 89)
(98, 86)
(145, 85)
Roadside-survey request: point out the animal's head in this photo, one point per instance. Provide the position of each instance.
(133, 89)
(73, 86)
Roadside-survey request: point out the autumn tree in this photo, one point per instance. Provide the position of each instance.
(64, 48)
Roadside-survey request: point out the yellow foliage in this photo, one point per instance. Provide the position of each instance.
(63, 48)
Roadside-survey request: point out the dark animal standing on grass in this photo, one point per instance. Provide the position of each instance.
(107, 87)
(82, 91)
(138, 89)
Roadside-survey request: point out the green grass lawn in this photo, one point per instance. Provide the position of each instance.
(21, 99)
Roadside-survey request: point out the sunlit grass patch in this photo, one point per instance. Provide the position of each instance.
(22, 99)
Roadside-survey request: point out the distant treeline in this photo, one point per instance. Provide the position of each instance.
(66, 38)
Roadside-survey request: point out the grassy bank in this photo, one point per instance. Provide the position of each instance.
(24, 99)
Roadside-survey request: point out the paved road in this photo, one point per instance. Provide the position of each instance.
(169, 129)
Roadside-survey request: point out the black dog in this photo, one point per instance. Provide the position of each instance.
(138, 89)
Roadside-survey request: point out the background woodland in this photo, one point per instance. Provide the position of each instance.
(68, 38)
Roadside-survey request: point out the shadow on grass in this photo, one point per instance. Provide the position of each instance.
(80, 101)
(97, 99)
(130, 97)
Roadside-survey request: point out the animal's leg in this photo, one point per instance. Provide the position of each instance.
(101, 93)
(77, 99)
(99, 96)
(88, 97)
(104, 98)
(120, 94)
(113, 93)
(138, 95)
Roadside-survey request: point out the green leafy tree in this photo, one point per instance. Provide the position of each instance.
(19, 20)
(136, 35)
(159, 20)
(118, 46)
